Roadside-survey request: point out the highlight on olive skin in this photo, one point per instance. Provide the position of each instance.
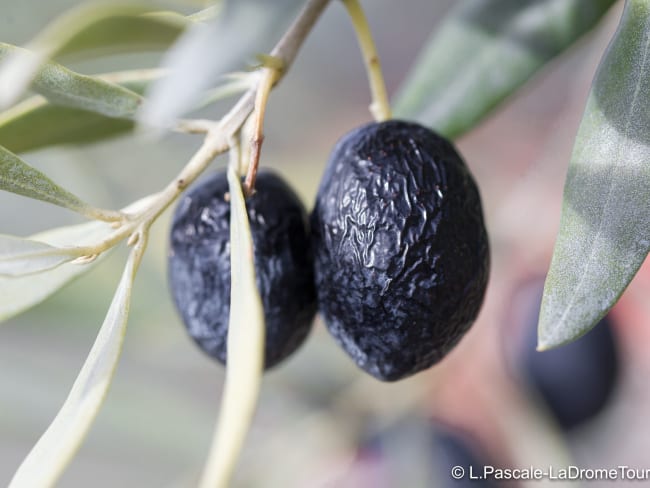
(199, 264)
(400, 248)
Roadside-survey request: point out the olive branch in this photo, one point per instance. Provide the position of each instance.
(602, 242)
(20, 258)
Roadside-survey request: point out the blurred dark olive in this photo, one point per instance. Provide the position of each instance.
(576, 380)
(447, 456)
(458, 460)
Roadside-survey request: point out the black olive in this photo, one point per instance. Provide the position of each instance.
(400, 248)
(458, 459)
(449, 456)
(199, 264)
(575, 381)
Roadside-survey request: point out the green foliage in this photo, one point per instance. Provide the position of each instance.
(124, 32)
(19, 257)
(245, 346)
(53, 451)
(481, 54)
(35, 123)
(193, 66)
(22, 293)
(106, 27)
(483, 51)
(18, 177)
(605, 227)
(65, 87)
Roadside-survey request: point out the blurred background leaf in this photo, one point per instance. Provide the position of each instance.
(117, 33)
(206, 51)
(485, 50)
(604, 232)
(90, 29)
(36, 123)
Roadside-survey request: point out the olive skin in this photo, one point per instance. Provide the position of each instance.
(199, 264)
(575, 381)
(401, 253)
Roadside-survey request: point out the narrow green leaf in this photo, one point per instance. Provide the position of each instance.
(65, 87)
(69, 33)
(56, 447)
(20, 257)
(483, 52)
(21, 293)
(18, 177)
(207, 51)
(245, 348)
(605, 225)
(35, 123)
(125, 33)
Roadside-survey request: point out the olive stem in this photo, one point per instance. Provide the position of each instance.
(219, 135)
(102, 214)
(380, 107)
(271, 75)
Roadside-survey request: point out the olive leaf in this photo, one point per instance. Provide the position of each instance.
(65, 87)
(107, 26)
(21, 293)
(35, 123)
(604, 231)
(246, 332)
(23, 256)
(206, 51)
(483, 52)
(124, 33)
(16, 176)
(56, 447)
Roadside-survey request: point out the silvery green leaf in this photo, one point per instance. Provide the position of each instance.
(604, 231)
(56, 447)
(23, 256)
(35, 123)
(246, 332)
(18, 177)
(124, 33)
(81, 27)
(65, 87)
(483, 51)
(206, 51)
(21, 293)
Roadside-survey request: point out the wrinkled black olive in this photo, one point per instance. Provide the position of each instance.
(199, 264)
(400, 249)
(576, 381)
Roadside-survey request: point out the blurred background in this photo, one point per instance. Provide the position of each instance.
(320, 421)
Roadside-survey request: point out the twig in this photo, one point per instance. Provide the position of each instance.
(380, 107)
